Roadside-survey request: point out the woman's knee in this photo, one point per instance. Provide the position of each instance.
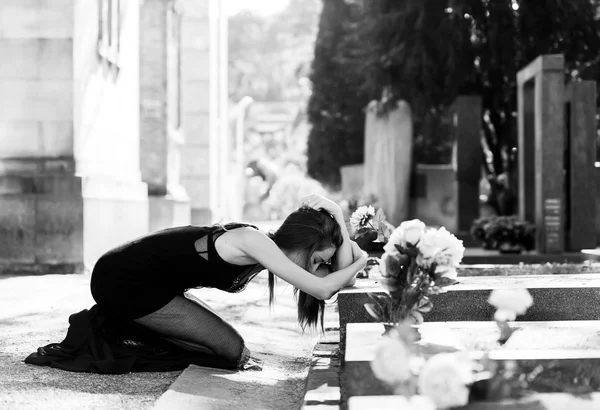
(233, 349)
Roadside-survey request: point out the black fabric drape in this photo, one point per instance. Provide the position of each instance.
(99, 343)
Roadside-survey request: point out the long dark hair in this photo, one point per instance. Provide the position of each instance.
(306, 230)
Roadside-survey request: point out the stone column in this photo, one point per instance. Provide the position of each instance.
(161, 136)
(202, 70)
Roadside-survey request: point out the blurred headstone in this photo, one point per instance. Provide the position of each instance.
(388, 159)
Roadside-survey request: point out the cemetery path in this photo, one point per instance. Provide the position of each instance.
(34, 311)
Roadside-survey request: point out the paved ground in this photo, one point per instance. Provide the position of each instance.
(34, 312)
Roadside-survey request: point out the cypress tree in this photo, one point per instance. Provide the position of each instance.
(336, 106)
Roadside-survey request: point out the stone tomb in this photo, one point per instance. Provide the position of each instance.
(562, 345)
(556, 297)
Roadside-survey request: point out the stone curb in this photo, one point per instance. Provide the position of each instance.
(322, 383)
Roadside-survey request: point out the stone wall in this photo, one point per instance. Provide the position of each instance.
(40, 201)
(88, 125)
(69, 136)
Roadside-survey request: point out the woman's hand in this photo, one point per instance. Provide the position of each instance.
(343, 255)
(317, 201)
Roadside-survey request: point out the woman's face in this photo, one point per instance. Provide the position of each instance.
(319, 258)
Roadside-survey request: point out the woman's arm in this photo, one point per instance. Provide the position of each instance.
(343, 255)
(261, 248)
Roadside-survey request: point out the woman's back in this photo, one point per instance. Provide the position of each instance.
(146, 273)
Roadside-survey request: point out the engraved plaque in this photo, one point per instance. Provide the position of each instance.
(553, 225)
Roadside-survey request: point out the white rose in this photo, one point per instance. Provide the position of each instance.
(512, 300)
(408, 232)
(445, 379)
(449, 272)
(391, 363)
(441, 247)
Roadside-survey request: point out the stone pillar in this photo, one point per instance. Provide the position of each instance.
(541, 150)
(161, 136)
(581, 181)
(203, 116)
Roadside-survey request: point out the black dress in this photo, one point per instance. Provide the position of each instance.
(134, 280)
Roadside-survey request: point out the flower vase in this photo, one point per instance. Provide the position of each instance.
(375, 246)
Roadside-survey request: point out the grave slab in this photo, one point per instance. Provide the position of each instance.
(477, 255)
(556, 297)
(546, 401)
(563, 346)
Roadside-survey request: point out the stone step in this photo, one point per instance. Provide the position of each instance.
(564, 346)
(546, 401)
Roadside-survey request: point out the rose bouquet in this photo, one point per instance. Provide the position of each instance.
(418, 262)
(369, 226)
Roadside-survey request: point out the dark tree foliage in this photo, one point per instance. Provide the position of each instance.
(427, 52)
(336, 106)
